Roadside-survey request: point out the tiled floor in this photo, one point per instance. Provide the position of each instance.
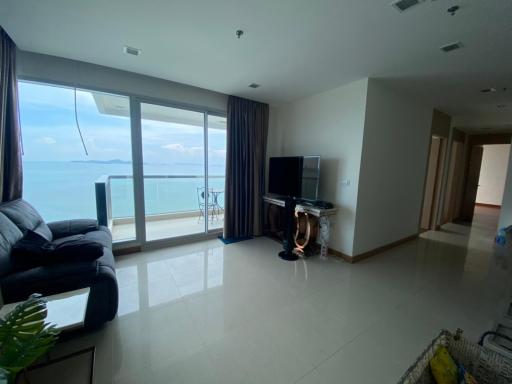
(210, 313)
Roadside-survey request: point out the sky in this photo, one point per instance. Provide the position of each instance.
(49, 131)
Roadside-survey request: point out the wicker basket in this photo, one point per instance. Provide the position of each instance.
(486, 365)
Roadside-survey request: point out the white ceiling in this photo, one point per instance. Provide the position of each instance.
(293, 48)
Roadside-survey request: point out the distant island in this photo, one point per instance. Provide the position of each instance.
(113, 161)
(180, 163)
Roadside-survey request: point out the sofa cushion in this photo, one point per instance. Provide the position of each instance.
(64, 239)
(26, 217)
(10, 234)
(34, 250)
(75, 249)
(102, 236)
(30, 251)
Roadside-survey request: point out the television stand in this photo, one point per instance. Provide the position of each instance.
(322, 214)
(305, 203)
(289, 253)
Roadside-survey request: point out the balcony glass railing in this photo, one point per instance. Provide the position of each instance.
(165, 196)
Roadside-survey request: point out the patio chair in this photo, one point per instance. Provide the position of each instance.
(205, 201)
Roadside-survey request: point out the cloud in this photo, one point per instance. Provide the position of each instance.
(219, 152)
(46, 140)
(180, 148)
(174, 147)
(158, 127)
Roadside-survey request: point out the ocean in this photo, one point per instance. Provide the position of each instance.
(63, 190)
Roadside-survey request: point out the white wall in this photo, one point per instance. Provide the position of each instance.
(394, 162)
(38, 67)
(492, 174)
(329, 124)
(506, 206)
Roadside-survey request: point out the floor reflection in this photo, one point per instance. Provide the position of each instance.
(209, 313)
(166, 279)
(128, 281)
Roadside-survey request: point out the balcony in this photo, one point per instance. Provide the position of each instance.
(175, 205)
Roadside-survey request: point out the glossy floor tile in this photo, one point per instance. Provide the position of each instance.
(215, 313)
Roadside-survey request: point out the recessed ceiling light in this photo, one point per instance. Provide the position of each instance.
(404, 5)
(254, 85)
(131, 50)
(488, 90)
(451, 47)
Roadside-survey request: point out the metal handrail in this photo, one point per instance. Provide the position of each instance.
(164, 177)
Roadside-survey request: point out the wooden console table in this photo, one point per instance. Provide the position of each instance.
(322, 214)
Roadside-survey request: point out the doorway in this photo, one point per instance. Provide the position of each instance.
(433, 182)
(485, 182)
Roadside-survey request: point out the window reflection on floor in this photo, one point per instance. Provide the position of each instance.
(161, 286)
(128, 281)
(144, 284)
(188, 272)
(215, 275)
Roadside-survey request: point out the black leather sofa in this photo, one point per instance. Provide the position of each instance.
(18, 216)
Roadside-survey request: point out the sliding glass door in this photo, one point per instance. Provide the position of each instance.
(148, 171)
(183, 154)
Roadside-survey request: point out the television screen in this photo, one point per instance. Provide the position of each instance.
(295, 176)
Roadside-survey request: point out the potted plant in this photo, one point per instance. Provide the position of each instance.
(24, 337)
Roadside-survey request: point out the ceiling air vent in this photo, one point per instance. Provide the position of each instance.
(131, 51)
(451, 47)
(404, 5)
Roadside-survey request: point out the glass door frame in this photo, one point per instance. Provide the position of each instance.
(135, 102)
(213, 231)
(138, 172)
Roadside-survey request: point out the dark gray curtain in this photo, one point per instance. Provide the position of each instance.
(11, 176)
(245, 167)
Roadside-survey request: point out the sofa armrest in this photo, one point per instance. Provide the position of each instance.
(72, 227)
(48, 280)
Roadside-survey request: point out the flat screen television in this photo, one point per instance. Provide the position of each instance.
(295, 176)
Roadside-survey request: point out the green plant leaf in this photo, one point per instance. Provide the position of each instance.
(25, 336)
